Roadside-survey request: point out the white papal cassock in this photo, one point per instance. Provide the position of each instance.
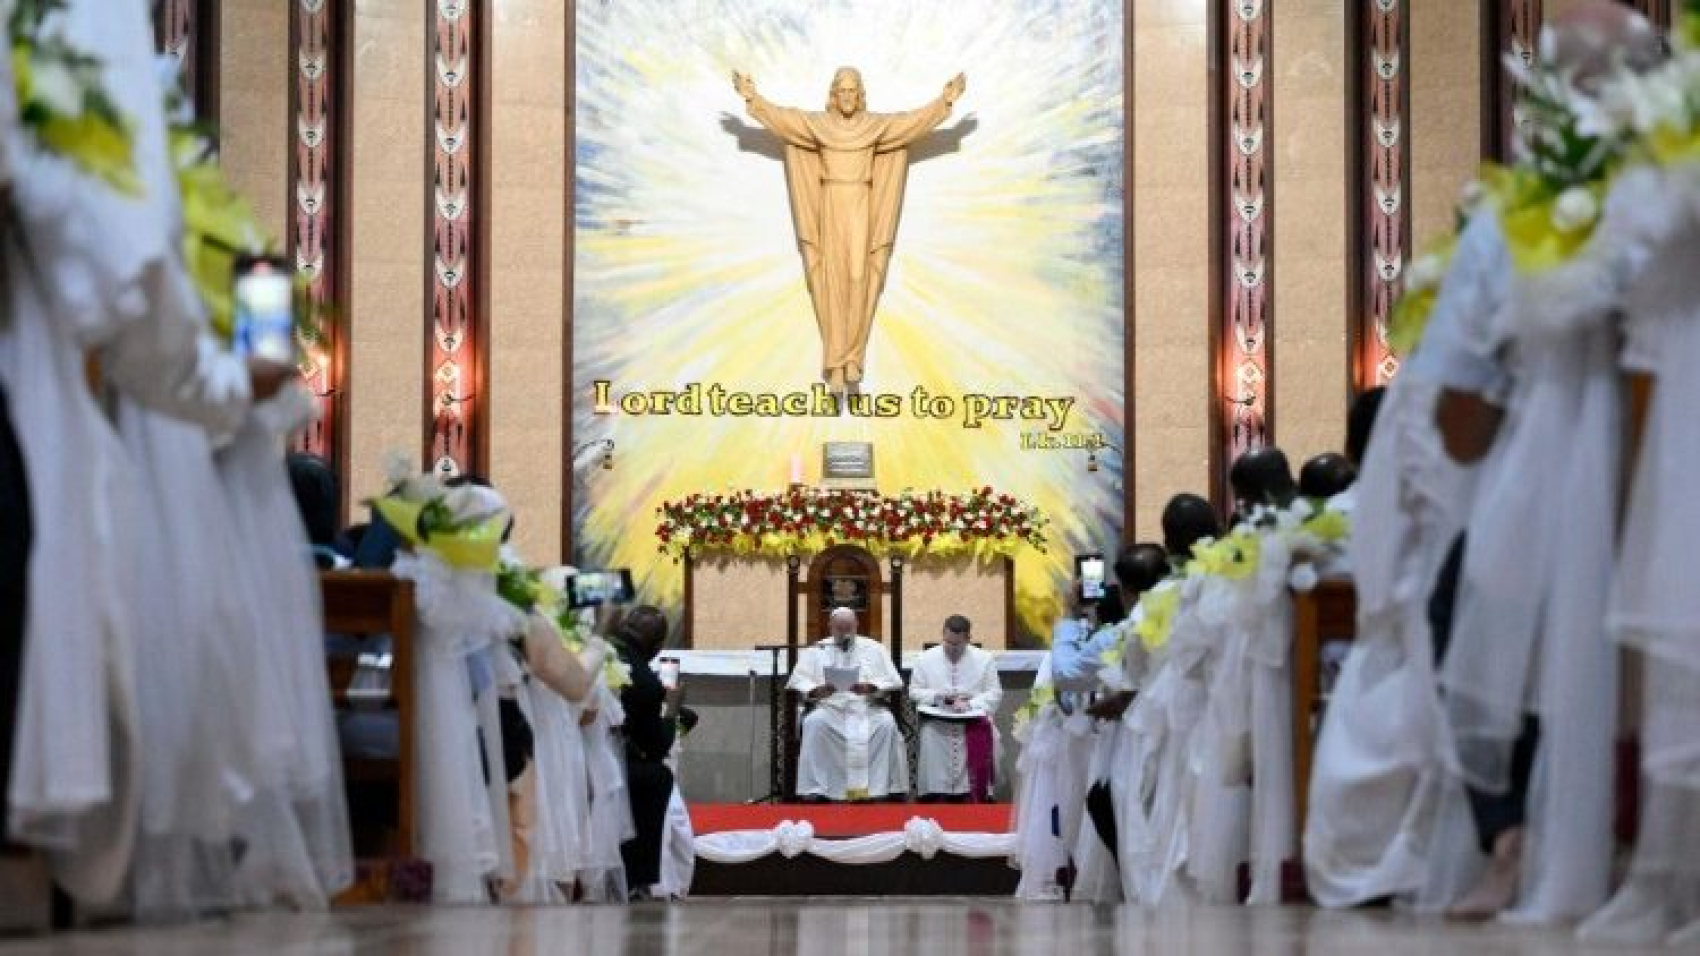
(851, 748)
(942, 763)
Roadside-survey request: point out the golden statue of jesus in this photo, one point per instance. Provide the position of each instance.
(844, 169)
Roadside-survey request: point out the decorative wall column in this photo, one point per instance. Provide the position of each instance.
(1242, 201)
(1509, 27)
(1658, 11)
(455, 437)
(318, 203)
(188, 31)
(1379, 126)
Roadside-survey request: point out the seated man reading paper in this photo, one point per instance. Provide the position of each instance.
(956, 691)
(851, 746)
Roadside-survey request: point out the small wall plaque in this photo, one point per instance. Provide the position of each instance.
(847, 464)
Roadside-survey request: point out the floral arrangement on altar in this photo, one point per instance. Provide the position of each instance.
(982, 523)
(61, 101)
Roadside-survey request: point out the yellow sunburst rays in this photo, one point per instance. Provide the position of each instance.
(1006, 277)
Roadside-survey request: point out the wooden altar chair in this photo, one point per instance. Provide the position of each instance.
(796, 707)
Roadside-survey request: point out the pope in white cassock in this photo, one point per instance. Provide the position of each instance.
(851, 747)
(956, 687)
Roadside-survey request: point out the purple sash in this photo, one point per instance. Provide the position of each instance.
(978, 737)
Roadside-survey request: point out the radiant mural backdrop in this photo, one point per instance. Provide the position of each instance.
(1005, 280)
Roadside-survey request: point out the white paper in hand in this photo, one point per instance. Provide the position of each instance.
(843, 678)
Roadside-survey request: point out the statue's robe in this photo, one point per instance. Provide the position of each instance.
(845, 176)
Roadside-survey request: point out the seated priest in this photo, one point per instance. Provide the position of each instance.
(851, 746)
(955, 687)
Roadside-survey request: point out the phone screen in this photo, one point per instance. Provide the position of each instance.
(264, 325)
(590, 588)
(669, 672)
(1092, 578)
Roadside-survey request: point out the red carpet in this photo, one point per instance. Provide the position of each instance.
(846, 820)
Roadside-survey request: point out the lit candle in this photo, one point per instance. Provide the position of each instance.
(796, 469)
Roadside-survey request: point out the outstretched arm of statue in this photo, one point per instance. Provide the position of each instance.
(788, 124)
(903, 129)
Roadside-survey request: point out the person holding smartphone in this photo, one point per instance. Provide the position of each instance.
(651, 723)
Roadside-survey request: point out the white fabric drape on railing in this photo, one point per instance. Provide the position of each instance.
(791, 839)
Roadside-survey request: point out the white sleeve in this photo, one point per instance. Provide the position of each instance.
(886, 675)
(990, 690)
(921, 689)
(1459, 346)
(807, 675)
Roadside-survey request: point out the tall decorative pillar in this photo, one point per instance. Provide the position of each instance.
(1379, 131)
(318, 203)
(1509, 28)
(456, 439)
(187, 30)
(1242, 227)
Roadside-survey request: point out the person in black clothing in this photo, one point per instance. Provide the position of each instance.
(651, 715)
(1360, 424)
(318, 496)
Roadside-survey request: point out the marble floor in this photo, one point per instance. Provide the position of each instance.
(820, 927)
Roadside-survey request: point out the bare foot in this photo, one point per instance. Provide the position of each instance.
(1497, 887)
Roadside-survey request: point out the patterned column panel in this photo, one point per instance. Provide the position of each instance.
(1383, 234)
(1246, 313)
(188, 31)
(455, 363)
(317, 233)
(1511, 27)
(1658, 11)
(175, 24)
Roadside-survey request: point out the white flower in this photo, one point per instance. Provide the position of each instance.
(55, 87)
(1425, 272)
(1575, 209)
(398, 468)
(1303, 577)
(1638, 102)
(1471, 197)
(473, 503)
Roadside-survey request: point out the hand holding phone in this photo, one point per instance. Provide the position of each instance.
(1089, 570)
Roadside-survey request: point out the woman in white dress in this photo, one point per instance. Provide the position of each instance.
(115, 289)
(1653, 609)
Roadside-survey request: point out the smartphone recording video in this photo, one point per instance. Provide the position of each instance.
(593, 588)
(264, 322)
(1089, 570)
